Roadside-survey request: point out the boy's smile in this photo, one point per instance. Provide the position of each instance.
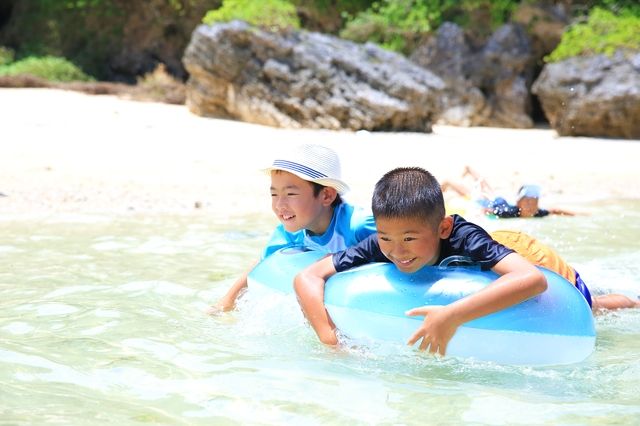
(411, 243)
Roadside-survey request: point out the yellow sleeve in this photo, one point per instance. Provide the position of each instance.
(535, 252)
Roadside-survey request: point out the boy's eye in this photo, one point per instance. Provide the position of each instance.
(408, 239)
(384, 238)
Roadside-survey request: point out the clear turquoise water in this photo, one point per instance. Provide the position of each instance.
(102, 323)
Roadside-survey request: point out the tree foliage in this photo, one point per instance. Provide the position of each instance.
(603, 32)
(84, 31)
(91, 33)
(6, 56)
(399, 25)
(268, 14)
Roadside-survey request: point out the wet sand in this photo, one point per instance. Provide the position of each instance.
(65, 151)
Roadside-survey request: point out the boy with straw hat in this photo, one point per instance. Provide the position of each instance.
(306, 197)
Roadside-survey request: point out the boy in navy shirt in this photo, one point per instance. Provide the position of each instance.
(413, 231)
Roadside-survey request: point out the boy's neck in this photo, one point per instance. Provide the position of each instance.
(323, 222)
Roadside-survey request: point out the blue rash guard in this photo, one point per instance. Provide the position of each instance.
(349, 225)
(467, 239)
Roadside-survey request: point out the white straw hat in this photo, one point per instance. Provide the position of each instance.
(314, 163)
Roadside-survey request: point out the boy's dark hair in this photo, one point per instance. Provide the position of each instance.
(408, 192)
(316, 190)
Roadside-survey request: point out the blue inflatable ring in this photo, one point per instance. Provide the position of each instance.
(369, 302)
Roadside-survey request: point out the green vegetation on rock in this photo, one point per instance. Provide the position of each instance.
(394, 24)
(399, 25)
(6, 56)
(47, 67)
(268, 14)
(603, 33)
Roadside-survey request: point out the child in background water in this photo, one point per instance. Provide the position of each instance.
(527, 199)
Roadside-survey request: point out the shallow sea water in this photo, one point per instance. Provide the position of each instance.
(102, 323)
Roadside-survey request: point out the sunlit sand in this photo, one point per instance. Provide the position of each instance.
(72, 152)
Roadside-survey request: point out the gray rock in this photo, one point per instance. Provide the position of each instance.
(504, 73)
(448, 55)
(487, 85)
(592, 96)
(304, 79)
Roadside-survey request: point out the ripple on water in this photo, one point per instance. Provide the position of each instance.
(18, 327)
(103, 320)
(55, 309)
(8, 249)
(158, 287)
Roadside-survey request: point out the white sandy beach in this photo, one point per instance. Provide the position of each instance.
(65, 151)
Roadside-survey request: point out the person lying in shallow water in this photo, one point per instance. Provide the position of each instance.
(527, 199)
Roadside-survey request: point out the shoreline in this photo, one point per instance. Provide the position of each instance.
(70, 152)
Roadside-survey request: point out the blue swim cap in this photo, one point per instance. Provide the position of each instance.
(530, 191)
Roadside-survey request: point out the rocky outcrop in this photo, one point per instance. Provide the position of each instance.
(504, 72)
(592, 96)
(448, 55)
(304, 79)
(486, 86)
(544, 23)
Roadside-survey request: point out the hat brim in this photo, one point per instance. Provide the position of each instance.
(337, 184)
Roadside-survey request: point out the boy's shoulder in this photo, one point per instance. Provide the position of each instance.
(473, 241)
(352, 219)
(460, 224)
(465, 234)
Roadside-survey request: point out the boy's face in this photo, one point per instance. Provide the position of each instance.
(294, 204)
(411, 243)
(528, 206)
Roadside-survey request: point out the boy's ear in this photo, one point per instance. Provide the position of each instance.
(445, 228)
(329, 194)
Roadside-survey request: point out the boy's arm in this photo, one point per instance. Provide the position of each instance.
(519, 280)
(562, 212)
(228, 301)
(309, 287)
